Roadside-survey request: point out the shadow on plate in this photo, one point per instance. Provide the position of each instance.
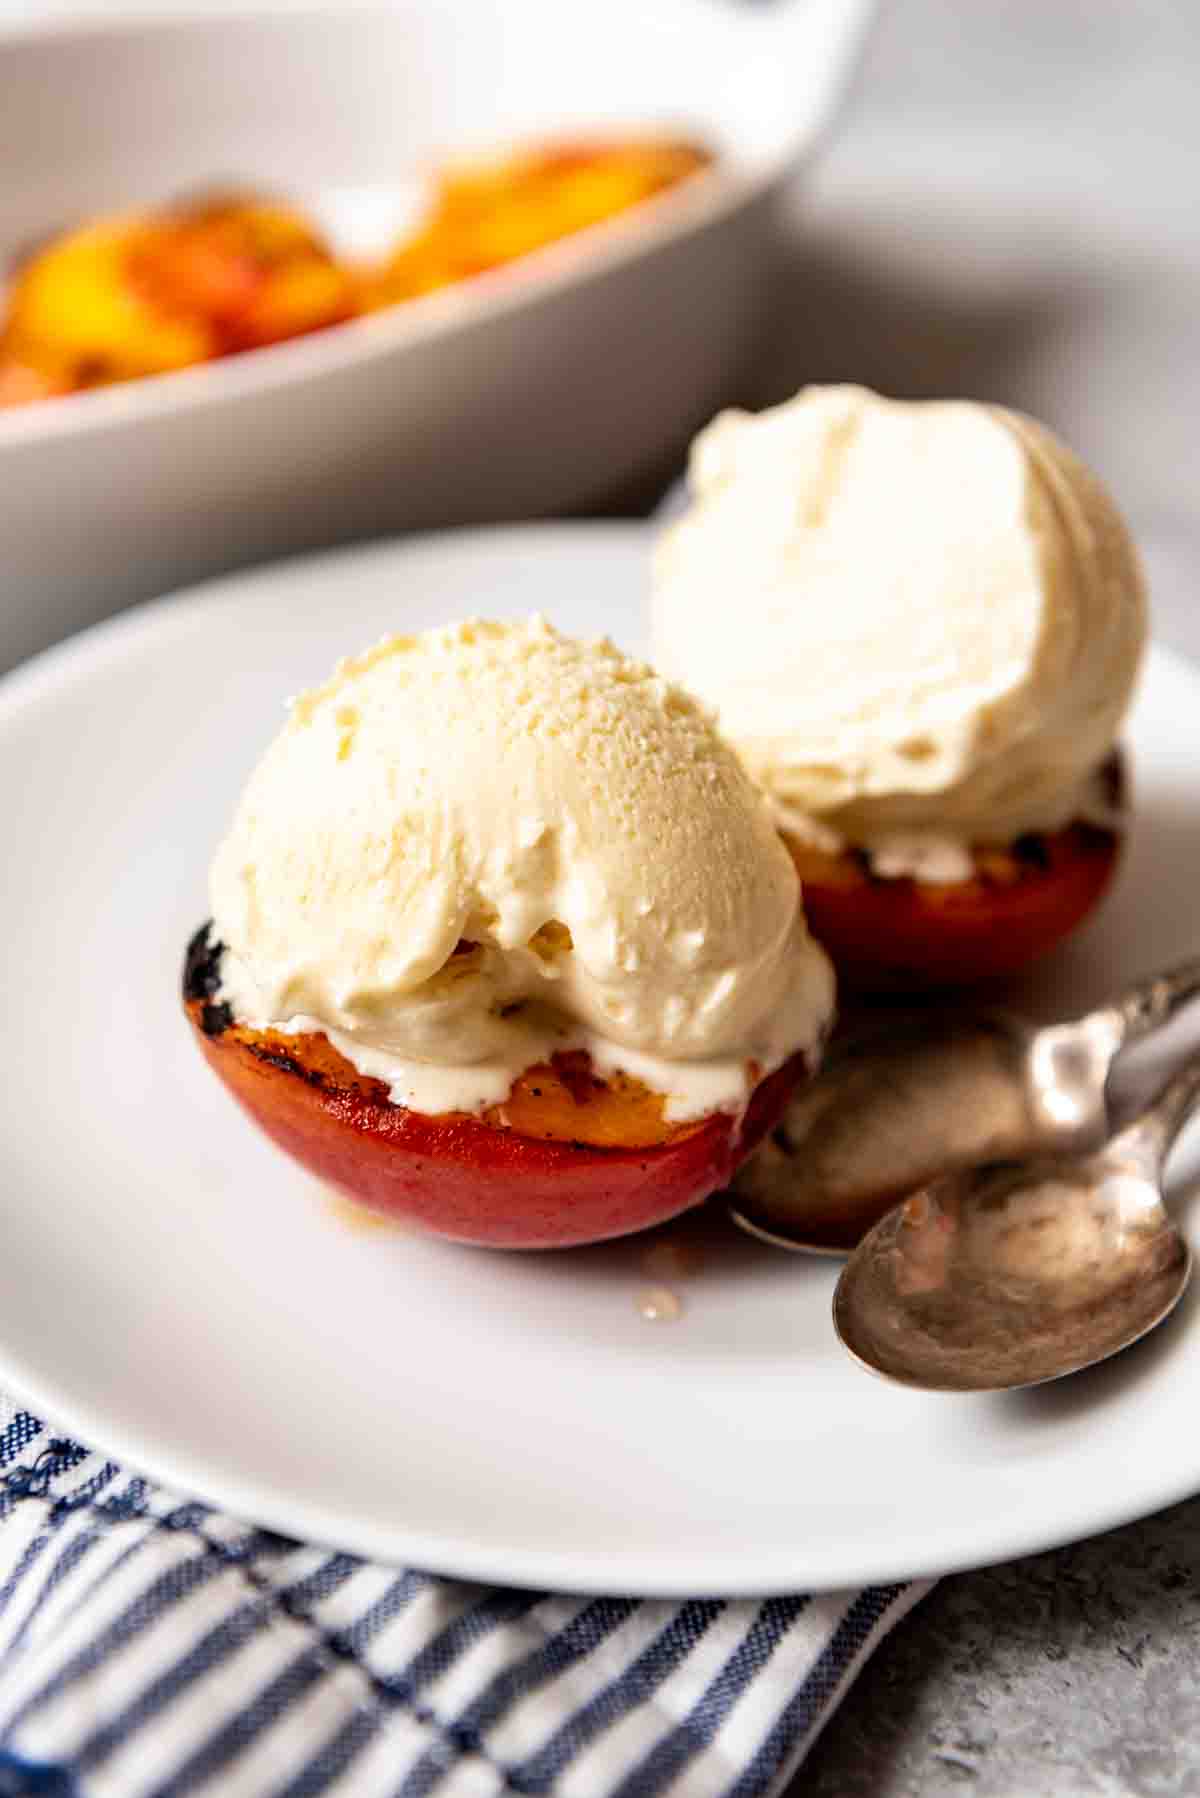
(703, 1246)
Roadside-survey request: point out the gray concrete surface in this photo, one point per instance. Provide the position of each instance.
(1066, 1674)
(1010, 212)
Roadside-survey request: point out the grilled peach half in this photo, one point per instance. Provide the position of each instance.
(1019, 903)
(147, 293)
(568, 1158)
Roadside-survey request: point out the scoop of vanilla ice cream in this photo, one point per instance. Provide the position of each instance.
(919, 623)
(478, 845)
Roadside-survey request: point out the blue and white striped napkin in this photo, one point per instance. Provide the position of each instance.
(150, 1644)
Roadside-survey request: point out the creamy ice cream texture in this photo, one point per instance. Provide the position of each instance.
(476, 846)
(920, 623)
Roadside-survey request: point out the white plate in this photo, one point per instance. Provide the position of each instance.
(173, 1290)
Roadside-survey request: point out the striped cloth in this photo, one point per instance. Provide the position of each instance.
(150, 1644)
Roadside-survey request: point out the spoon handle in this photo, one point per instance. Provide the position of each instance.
(1156, 1129)
(1153, 1002)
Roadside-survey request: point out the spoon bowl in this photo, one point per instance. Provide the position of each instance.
(1009, 1275)
(915, 1095)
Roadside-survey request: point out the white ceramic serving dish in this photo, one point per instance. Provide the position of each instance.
(532, 390)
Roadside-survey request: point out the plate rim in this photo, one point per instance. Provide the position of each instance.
(575, 1571)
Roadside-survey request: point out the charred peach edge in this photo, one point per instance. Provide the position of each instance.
(568, 1158)
(1021, 903)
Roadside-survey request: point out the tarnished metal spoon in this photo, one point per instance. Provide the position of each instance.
(921, 1093)
(1012, 1274)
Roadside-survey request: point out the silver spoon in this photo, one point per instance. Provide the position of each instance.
(924, 1092)
(1009, 1275)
